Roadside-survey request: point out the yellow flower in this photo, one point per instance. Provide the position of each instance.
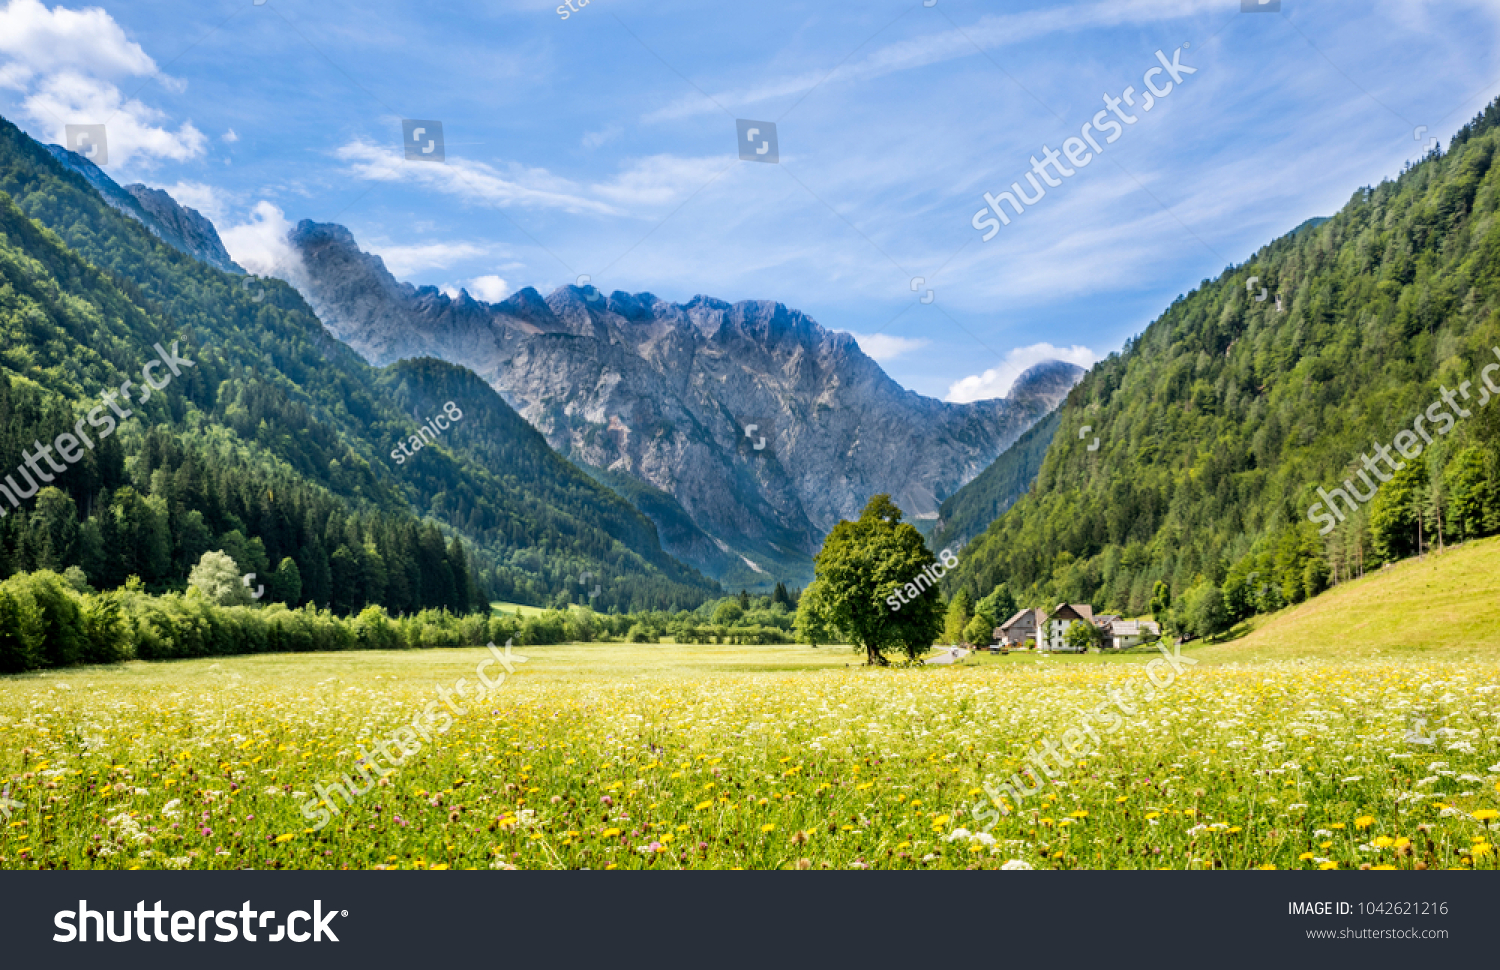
(1481, 849)
(1078, 814)
(1403, 842)
(1383, 866)
(1268, 865)
(285, 838)
(1384, 842)
(609, 833)
(1325, 845)
(1364, 821)
(1329, 865)
(1485, 814)
(1305, 856)
(439, 867)
(1151, 815)
(1337, 825)
(702, 805)
(1120, 800)
(768, 827)
(940, 820)
(1233, 829)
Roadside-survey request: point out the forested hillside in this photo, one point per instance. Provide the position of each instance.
(275, 444)
(965, 514)
(1220, 423)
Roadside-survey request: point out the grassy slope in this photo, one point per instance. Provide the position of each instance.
(1440, 607)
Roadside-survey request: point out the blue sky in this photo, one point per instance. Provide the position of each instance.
(605, 144)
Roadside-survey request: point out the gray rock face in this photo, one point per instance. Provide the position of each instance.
(764, 427)
(184, 229)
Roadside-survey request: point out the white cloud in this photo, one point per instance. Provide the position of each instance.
(883, 346)
(230, 136)
(261, 245)
(65, 64)
(997, 381)
(487, 289)
(41, 41)
(404, 261)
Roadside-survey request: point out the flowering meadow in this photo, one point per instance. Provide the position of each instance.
(634, 756)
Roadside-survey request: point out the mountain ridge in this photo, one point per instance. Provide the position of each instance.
(666, 393)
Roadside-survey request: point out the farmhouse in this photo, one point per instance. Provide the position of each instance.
(1055, 625)
(1014, 632)
(1131, 633)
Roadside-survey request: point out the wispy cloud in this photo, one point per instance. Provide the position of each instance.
(403, 261)
(988, 33)
(884, 346)
(470, 180)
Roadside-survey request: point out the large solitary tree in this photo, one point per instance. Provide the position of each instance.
(861, 568)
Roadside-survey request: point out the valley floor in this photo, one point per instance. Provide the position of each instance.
(631, 756)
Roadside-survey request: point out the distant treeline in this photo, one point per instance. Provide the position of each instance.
(49, 620)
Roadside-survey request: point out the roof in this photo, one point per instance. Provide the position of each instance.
(1065, 611)
(1131, 627)
(1016, 618)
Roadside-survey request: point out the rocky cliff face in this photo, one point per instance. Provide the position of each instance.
(764, 427)
(184, 229)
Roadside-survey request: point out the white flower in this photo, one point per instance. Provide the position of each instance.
(1352, 778)
(956, 834)
(1017, 864)
(1426, 781)
(1322, 833)
(171, 809)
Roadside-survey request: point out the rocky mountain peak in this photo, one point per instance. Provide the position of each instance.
(753, 423)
